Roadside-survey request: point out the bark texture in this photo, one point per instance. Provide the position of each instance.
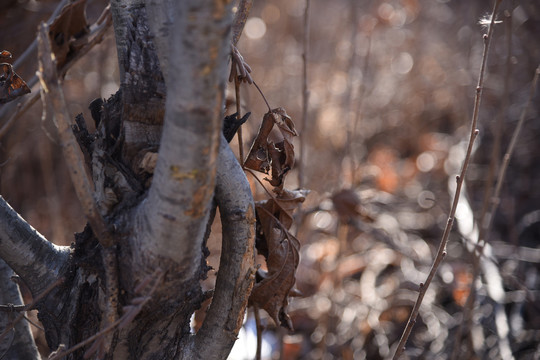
(155, 161)
(18, 343)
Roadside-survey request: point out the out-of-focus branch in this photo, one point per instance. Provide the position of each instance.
(95, 36)
(441, 252)
(236, 272)
(487, 220)
(242, 13)
(305, 97)
(54, 94)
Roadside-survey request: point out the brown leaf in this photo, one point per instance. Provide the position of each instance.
(272, 288)
(67, 32)
(280, 248)
(258, 158)
(283, 161)
(11, 84)
(265, 154)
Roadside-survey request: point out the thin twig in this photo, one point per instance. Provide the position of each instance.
(264, 98)
(261, 183)
(488, 220)
(305, 96)
(123, 321)
(96, 35)
(33, 323)
(240, 19)
(239, 116)
(52, 89)
(349, 152)
(362, 91)
(441, 252)
(22, 106)
(498, 126)
(28, 53)
(489, 198)
(31, 305)
(259, 329)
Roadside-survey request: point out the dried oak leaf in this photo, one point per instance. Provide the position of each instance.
(11, 84)
(280, 248)
(67, 32)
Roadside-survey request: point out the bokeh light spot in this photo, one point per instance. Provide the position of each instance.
(255, 28)
(425, 161)
(402, 63)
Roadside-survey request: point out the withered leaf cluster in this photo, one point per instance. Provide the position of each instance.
(11, 85)
(275, 217)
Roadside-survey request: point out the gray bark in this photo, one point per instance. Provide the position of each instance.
(19, 342)
(37, 261)
(236, 272)
(174, 216)
(156, 217)
(160, 21)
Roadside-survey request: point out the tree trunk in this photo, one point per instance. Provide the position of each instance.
(154, 193)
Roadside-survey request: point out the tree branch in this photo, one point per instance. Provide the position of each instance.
(53, 92)
(23, 345)
(441, 252)
(174, 216)
(236, 270)
(37, 261)
(240, 19)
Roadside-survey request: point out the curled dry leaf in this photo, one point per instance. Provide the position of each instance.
(280, 248)
(258, 158)
(67, 32)
(11, 84)
(265, 154)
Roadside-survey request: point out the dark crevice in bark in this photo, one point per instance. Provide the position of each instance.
(70, 313)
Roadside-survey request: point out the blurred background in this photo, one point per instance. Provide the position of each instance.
(391, 91)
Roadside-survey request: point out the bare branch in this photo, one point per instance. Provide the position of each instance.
(236, 271)
(97, 32)
(441, 252)
(37, 261)
(240, 19)
(53, 92)
(305, 96)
